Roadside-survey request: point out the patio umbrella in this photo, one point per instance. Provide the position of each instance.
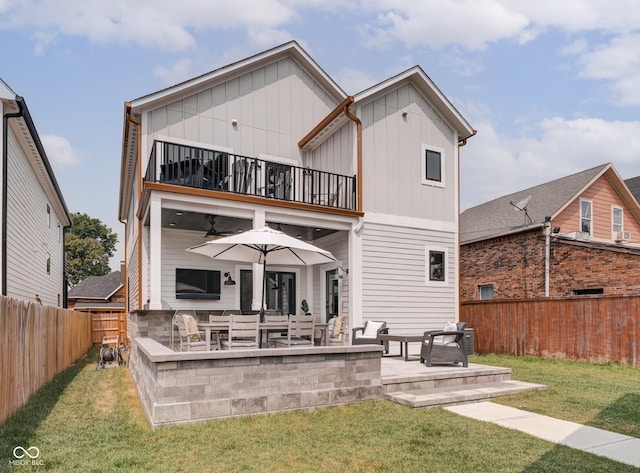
(255, 246)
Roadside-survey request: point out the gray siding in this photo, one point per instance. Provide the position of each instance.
(275, 106)
(392, 157)
(32, 235)
(393, 278)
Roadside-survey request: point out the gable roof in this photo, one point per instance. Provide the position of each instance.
(97, 287)
(500, 217)
(134, 108)
(428, 89)
(26, 130)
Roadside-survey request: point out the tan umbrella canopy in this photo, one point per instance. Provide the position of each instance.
(255, 246)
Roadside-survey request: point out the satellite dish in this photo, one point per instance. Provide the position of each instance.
(521, 206)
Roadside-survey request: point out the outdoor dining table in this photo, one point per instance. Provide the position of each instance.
(265, 327)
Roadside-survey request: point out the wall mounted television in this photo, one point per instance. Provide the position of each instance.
(197, 284)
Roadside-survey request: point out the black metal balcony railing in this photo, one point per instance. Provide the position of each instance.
(190, 166)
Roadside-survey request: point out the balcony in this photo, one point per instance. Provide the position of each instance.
(201, 168)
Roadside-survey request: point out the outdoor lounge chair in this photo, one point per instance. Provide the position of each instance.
(444, 346)
(368, 335)
(337, 331)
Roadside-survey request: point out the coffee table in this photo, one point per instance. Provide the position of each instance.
(404, 339)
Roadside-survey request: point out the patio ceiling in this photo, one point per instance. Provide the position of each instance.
(225, 225)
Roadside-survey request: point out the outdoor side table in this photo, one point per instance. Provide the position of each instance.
(404, 339)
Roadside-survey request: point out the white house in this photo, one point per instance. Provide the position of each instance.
(34, 214)
(273, 140)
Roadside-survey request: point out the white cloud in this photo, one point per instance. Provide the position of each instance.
(177, 72)
(493, 165)
(353, 81)
(60, 152)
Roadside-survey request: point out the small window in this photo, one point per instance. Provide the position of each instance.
(588, 292)
(433, 166)
(585, 216)
(436, 267)
(616, 220)
(48, 216)
(48, 263)
(486, 292)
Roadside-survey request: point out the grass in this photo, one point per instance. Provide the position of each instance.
(91, 421)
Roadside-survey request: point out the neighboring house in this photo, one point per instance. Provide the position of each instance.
(634, 186)
(98, 292)
(103, 297)
(272, 139)
(34, 214)
(577, 235)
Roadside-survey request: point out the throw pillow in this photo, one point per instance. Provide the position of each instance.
(336, 330)
(192, 328)
(449, 327)
(371, 329)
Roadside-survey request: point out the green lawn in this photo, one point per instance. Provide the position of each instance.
(92, 421)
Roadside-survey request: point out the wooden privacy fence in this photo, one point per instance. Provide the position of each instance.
(581, 328)
(36, 343)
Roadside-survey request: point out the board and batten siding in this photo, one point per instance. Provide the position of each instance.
(274, 105)
(33, 235)
(336, 153)
(394, 275)
(392, 157)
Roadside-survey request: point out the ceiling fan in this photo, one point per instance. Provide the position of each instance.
(212, 232)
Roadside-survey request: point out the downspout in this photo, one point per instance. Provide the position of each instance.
(461, 143)
(547, 254)
(358, 123)
(5, 182)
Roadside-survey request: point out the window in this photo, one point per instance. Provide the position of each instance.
(616, 220)
(585, 216)
(48, 216)
(433, 166)
(436, 267)
(486, 292)
(588, 292)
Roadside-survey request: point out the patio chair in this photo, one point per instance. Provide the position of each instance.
(174, 323)
(444, 346)
(299, 333)
(244, 332)
(272, 316)
(368, 335)
(337, 330)
(190, 336)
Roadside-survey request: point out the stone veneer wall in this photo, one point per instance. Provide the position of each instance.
(184, 387)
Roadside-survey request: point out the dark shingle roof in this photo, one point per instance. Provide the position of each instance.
(499, 217)
(96, 287)
(634, 186)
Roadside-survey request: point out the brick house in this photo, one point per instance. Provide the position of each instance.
(577, 235)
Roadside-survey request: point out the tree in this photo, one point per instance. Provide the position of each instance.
(89, 244)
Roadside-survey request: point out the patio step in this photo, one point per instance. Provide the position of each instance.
(448, 396)
(412, 383)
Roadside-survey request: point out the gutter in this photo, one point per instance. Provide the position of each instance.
(358, 123)
(5, 182)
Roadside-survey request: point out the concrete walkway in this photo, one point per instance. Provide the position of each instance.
(618, 447)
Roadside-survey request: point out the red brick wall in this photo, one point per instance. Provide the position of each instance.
(514, 265)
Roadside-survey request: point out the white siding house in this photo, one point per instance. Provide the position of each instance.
(34, 214)
(272, 139)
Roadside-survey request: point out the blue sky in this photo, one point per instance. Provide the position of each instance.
(553, 87)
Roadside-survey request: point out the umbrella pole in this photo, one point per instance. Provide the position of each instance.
(264, 283)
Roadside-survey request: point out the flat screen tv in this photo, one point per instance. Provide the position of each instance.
(197, 284)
